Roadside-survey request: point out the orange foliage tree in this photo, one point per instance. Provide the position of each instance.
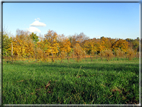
(29, 45)
(78, 51)
(122, 44)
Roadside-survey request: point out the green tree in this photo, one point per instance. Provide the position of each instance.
(6, 45)
(34, 37)
(135, 44)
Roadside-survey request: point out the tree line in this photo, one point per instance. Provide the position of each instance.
(30, 46)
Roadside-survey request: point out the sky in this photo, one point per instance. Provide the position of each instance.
(114, 20)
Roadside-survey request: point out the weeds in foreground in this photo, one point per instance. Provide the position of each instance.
(97, 82)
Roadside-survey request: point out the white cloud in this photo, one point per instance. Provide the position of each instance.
(33, 29)
(37, 23)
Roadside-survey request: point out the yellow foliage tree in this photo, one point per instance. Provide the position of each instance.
(23, 46)
(51, 37)
(78, 51)
(40, 54)
(90, 47)
(122, 44)
(65, 46)
(106, 43)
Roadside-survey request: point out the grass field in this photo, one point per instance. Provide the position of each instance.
(96, 82)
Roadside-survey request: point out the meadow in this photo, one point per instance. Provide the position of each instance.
(84, 82)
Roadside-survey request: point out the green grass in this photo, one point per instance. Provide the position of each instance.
(96, 82)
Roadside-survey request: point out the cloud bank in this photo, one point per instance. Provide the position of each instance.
(33, 29)
(37, 23)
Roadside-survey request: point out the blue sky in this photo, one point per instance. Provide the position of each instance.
(115, 20)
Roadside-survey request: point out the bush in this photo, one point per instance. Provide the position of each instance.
(102, 54)
(137, 55)
(108, 54)
(119, 53)
(78, 51)
(62, 55)
(130, 54)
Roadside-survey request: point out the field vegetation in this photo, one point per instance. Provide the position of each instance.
(91, 82)
(55, 69)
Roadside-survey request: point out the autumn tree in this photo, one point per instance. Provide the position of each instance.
(23, 45)
(137, 54)
(65, 46)
(122, 44)
(106, 43)
(130, 53)
(102, 54)
(108, 54)
(72, 40)
(78, 51)
(81, 37)
(29, 45)
(112, 41)
(119, 53)
(100, 46)
(29, 49)
(51, 37)
(90, 47)
(77, 38)
(46, 48)
(62, 55)
(40, 54)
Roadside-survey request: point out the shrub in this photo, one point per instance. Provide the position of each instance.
(108, 54)
(119, 53)
(62, 55)
(78, 51)
(137, 55)
(102, 54)
(130, 54)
